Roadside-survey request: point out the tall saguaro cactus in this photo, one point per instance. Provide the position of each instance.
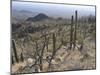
(75, 33)
(41, 57)
(54, 49)
(46, 41)
(54, 43)
(12, 59)
(21, 57)
(71, 33)
(14, 49)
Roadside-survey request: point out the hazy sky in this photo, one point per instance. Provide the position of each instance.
(55, 10)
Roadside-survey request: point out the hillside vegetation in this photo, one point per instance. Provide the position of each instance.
(45, 44)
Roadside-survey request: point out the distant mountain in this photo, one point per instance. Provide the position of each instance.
(39, 17)
(21, 15)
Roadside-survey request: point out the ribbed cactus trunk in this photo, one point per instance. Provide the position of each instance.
(75, 32)
(54, 43)
(71, 33)
(15, 51)
(46, 42)
(12, 60)
(21, 57)
(36, 52)
(41, 57)
(84, 31)
(54, 49)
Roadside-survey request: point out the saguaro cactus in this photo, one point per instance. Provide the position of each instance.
(75, 28)
(54, 49)
(46, 41)
(12, 60)
(14, 49)
(54, 44)
(41, 57)
(36, 48)
(71, 32)
(21, 57)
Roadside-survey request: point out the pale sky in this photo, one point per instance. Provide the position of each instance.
(55, 10)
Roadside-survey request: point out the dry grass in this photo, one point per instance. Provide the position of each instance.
(64, 59)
